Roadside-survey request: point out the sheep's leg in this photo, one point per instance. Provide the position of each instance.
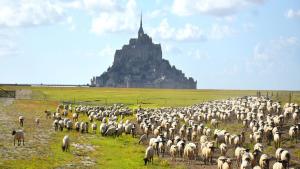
(23, 143)
(14, 142)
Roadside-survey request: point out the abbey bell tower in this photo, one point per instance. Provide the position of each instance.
(141, 31)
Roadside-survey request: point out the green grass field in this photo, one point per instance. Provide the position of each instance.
(122, 152)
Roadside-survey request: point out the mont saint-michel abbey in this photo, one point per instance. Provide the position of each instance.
(139, 64)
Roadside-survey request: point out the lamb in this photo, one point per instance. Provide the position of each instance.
(66, 144)
(21, 120)
(19, 136)
(94, 127)
(149, 155)
(223, 149)
(277, 139)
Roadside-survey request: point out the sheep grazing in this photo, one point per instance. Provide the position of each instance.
(19, 136)
(207, 153)
(293, 133)
(75, 116)
(21, 121)
(149, 155)
(173, 151)
(66, 144)
(190, 151)
(37, 121)
(69, 125)
(223, 149)
(94, 127)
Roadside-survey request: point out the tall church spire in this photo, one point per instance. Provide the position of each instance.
(141, 31)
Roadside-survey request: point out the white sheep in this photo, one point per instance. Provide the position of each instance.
(19, 136)
(21, 120)
(94, 127)
(280, 165)
(278, 153)
(221, 161)
(264, 161)
(103, 128)
(66, 144)
(285, 156)
(207, 154)
(173, 151)
(277, 139)
(149, 155)
(223, 149)
(293, 133)
(190, 151)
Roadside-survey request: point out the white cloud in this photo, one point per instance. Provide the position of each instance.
(14, 13)
(116, 19)
(293, 13)
(187, 33)
(190, 32)
(8, 43)
(273, 54)
(274, 48)
(218, 8)
(220, 31)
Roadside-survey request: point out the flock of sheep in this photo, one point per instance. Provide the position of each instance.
(192, 133)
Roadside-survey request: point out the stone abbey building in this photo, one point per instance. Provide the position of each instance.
(139, 64)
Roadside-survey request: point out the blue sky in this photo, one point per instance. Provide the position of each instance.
(223, 44)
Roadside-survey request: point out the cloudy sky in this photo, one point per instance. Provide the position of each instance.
(223, 44)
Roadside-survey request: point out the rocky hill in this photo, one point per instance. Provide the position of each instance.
(140, 64)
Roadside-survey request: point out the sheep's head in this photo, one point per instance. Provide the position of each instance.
(13, 132)
(145, 160)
